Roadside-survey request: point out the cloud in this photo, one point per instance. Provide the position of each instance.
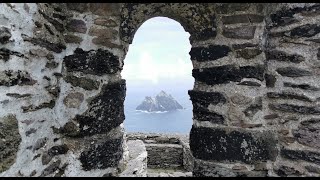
(148, 68)
(160, 51)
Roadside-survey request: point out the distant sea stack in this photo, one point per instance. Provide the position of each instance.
(162, 102)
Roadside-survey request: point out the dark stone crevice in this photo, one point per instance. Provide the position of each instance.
(228, 73)
(98, 62)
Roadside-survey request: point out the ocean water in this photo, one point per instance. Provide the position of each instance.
(178, 121)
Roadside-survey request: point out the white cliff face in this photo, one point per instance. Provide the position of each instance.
(162, 102)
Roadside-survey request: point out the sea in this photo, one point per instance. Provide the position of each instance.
(178, 121)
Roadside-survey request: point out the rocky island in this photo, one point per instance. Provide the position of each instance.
(162, 102)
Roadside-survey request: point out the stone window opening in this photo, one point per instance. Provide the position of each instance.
(152, 67)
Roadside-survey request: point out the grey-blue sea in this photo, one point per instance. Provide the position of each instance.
(178, 121)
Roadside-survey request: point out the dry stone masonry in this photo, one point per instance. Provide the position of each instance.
(256, 100)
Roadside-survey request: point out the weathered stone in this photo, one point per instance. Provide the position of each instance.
(105, 9)
(206, 33)
(281, 20)
(10, 78)
(52, 64)
(244, 45)
(59, 16)
(40, 143)
(296, 109)
(57, 150)
(308, 133)
(283, 131)
(285, 171)
(253, 108)
(70, 129)
(285, 17)
(285, 119)
(48, 79)
(309, 156)
(260, 166)
(293, 72)
(108, 33)
(38, 52)
(245, 32)
(73, 100)
(287, 139)
(5, 54)
(70, 38)
(50, 56)
(210, 169)
(318, 54)
(77, 25)
(98, 62)
(9, 141)
(242, 18)
(5, 35)
(312, 169)
(249, 83)
(164, 155)
(58, 25)
(51, 168)
(105, 110)
(16, 95)
(102, 155)
(137, 163)
(38, 24)
(213, 52)
(61, 170)
(46, 158)
(30, 131)
(48, 27)
(248, 53)
(316, 40)
(55, 91)
(27, 121)
(105, 42)
(270, 80)
(105, 22)
(200, 21)
(227, 73)
(202, 115)
(31, 108)
(288, 95)
(239, 168)
(80, 7)
(271, 116)
(232, 145)
(283, 56)
(227, 8)
(34, 172)
(85, 83)
(55, 47)
(240, 99)
(307, 30)
(203, 98)
(301, 86)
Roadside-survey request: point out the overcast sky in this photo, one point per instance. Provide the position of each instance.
(159, 52)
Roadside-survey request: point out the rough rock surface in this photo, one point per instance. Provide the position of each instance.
(256, 87)
(162, 102)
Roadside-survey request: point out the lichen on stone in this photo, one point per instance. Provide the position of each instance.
(9, 141)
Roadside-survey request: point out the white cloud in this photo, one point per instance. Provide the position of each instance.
(160, 50)
(150, 69)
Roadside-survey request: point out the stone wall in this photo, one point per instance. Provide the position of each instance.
(166, 151)
(255, 97)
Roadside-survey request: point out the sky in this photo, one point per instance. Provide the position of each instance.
(159, 53)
